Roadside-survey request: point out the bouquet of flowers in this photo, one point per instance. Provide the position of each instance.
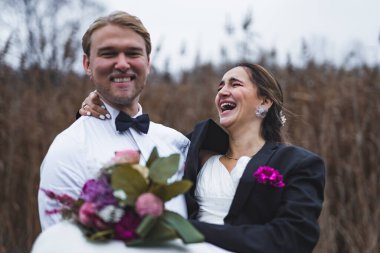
(126, 202)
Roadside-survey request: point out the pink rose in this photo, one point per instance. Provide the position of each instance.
(88, 216)
(148, 203)
(86, 213)
(126, 156)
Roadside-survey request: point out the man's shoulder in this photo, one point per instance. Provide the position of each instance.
(70, 145)
(76, 134)
(164, 131)
(170, 136)
(75, 130)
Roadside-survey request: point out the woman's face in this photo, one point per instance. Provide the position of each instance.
(237, 100)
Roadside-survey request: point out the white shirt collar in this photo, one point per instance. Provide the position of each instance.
(114, 112)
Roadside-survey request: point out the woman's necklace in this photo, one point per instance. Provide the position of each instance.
(230, 157)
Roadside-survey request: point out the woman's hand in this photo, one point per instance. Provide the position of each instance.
(93, 106)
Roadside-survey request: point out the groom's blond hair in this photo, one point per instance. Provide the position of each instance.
(119, 18)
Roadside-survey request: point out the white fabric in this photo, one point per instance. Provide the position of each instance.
(77, 154)
(64, 237)
(216, 188)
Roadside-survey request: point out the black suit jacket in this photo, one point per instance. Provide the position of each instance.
(263, 218)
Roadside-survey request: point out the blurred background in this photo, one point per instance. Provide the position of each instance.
(325, 54)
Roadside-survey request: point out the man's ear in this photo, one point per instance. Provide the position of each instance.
(86, 64)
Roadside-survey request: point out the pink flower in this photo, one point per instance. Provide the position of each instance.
(88, 216)
(126, 227)
(148, 203)
(268, 175)
(126, 156)
(86, 213)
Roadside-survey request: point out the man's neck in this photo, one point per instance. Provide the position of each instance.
(131, 109)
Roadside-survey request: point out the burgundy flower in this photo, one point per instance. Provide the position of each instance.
(268, 175)
(126, 227)
(99, 192)
(148, 203)
(65, 200)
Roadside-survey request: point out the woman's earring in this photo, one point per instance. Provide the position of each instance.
(261, 112)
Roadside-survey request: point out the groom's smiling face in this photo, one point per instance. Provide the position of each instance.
(118, 65)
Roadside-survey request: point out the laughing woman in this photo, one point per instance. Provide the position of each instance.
(252, 192)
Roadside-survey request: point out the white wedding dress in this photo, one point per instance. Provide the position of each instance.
(216, 188)
(65, 237)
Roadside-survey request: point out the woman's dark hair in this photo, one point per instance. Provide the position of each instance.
(268, 86)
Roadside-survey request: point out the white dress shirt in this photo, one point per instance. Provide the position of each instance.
(77, 154)
(216, 188)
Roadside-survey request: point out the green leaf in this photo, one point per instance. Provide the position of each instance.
(187, 232)
(128, 179)
(146, 225)
(167, 192)
(161, 231)
(153, 156)
(163, 168)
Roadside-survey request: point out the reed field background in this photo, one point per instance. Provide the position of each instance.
(334, 111)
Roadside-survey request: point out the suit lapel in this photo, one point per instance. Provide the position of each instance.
(247, 181)
(206, 135)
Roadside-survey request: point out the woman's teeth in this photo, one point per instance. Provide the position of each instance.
(227, 106)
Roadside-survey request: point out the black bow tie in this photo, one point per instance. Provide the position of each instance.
(123, 121)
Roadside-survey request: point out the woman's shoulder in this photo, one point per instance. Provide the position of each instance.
(291, 152)
(296, 160)
(294, 149)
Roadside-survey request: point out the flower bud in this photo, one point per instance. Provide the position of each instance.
(149, 204)
(126, 156)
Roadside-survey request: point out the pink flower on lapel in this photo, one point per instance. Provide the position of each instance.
(268, 175)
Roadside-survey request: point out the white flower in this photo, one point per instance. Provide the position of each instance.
(111, 213)
(283, 118)
(120, 194)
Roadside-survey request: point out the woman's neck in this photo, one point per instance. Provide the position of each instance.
(245, 141)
